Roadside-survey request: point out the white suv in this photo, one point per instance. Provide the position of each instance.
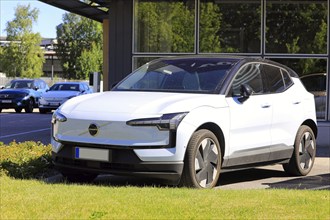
(187, 119)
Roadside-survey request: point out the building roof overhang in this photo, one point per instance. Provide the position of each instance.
(96, 9)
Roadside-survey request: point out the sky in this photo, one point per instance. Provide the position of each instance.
(49, 16)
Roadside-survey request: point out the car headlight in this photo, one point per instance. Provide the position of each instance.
(58, 116)
(165, 122)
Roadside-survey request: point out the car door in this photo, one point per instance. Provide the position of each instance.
(250, 119)
(287, 114)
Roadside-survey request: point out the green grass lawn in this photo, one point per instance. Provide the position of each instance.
(34, 199)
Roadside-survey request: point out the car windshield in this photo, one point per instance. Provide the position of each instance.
(64, 87)
(199, 75)
(21, 84)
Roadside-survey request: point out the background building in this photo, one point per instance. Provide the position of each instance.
(294, 32)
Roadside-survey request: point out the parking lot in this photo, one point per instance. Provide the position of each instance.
(36, 127)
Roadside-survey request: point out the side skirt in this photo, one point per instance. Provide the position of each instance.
(258, 157)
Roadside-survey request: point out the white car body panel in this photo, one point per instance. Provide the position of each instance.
(112, 120)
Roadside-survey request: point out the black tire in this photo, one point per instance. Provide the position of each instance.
(18, 110)
(203, 151)
(43, 111)
(303, 156)
(79, 177)
(29, 106)
(0, 110)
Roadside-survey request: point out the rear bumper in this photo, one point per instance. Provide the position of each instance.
(123, 162)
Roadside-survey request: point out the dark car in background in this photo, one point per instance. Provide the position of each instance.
(22, 94)
(60, 93)
(316, 84)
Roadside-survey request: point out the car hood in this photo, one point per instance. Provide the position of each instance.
(60, 94)
(139, 103)
(15, 91)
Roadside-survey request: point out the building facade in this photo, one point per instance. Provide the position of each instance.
(294, 33)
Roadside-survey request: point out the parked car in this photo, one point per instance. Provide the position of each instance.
(22, 93)
(187, 119)
(60, 93)
(317, 85)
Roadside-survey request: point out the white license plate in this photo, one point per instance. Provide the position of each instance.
(92, 154)
(54, 104)
(6, 101)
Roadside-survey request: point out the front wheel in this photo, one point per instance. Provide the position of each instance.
(303, 156)
(202, 162)
(29, 107)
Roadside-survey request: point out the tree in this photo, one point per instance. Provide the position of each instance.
(23, 57)
(89, 61)
(75, 35)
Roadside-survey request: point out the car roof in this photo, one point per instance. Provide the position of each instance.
(67, 83)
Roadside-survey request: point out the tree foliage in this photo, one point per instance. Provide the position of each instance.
(165, 27)
(76, 36)
(23, 57)
(90, 60)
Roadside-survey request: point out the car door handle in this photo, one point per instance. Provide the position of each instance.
(265, 105)
(296, 102)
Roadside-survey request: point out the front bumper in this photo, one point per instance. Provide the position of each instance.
(13, 103)
(123, 162)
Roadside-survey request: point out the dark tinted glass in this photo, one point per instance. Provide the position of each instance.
(286, 77)
(230, 26)
(296, 26)
(200, 75)
(315, 82)
(250, 75)
(275, 82)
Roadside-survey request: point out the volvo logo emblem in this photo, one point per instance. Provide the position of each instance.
(93, 129)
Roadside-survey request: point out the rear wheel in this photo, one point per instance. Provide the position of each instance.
(29, 107)
(203, 161)
(18, 110)
(0, 110)
(303, 156)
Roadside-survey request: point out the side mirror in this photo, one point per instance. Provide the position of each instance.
(2, 87)
(36, 88)
(246, 92)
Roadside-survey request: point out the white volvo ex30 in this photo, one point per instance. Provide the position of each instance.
(185, 120)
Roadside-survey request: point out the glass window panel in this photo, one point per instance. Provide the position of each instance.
(164, 26)
(230, 26)
(274, 79)
(313, 73)
(139, 61)
(296, 26)
(251, 76)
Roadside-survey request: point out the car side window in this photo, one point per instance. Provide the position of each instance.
(287, 80)
(250, 75)
(274, 78)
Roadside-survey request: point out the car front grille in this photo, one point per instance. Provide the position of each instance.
(7, 96)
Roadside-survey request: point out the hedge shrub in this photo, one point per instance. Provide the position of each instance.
(25, 160)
